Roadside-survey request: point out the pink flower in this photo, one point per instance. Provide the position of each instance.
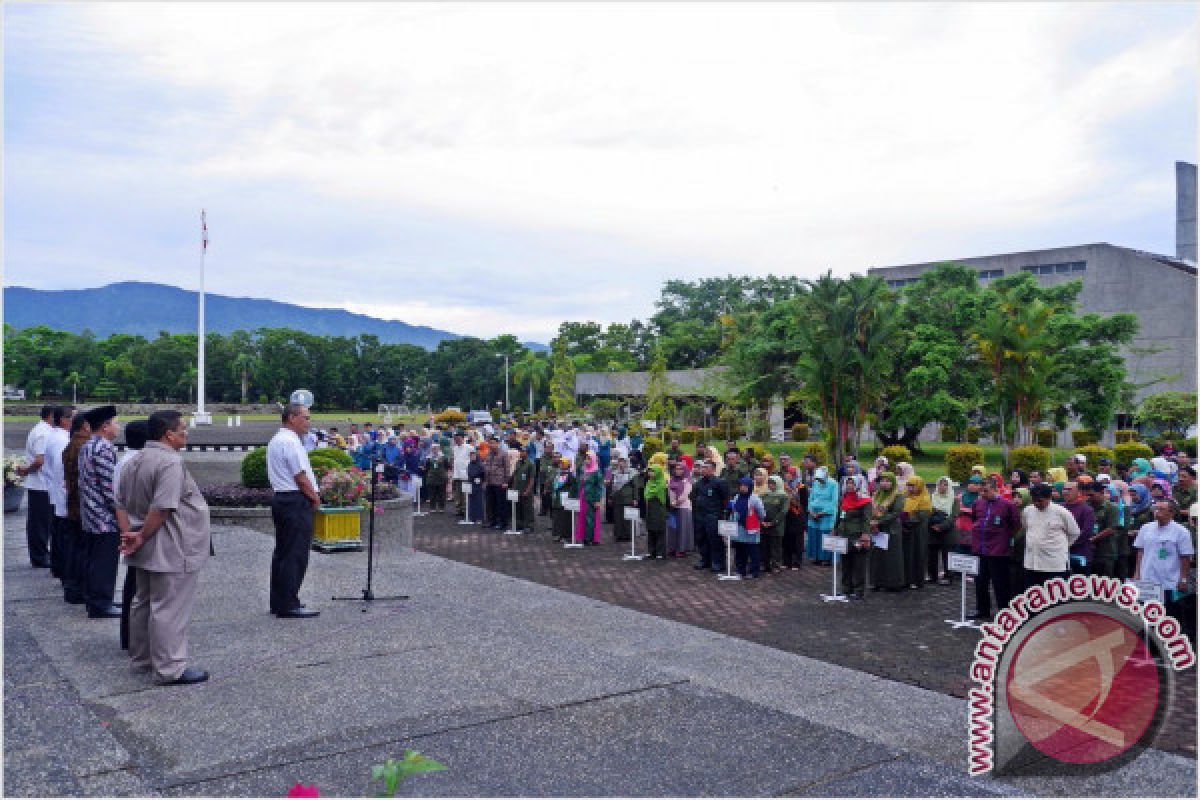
(300, 790)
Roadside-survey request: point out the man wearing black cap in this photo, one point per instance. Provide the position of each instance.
(97, 507)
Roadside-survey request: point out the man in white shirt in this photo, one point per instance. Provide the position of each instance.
(39, 516)
(292, 508)
(52, 474)
(1050, 530)
(1164, 550)
(460, 455)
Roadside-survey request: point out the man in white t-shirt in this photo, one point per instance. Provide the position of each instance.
(1164, 551)
(292, 508)
(53, 476)
(39, 517)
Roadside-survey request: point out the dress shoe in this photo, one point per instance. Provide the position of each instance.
(112, 612)
(189, 675)
(73, 599)
(299, 613)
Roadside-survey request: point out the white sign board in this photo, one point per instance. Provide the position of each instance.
(727, 528)
(631, 513)
(513, 495)
(879, 540)
(571, 504)
(649, 424)
(834, 544)
(1148, 590)
(960, 562)
(562, 499)
(466, 487)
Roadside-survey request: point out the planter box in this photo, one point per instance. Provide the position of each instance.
(337, 529)
(392, 527)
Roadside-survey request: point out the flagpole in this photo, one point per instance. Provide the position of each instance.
(201, 417)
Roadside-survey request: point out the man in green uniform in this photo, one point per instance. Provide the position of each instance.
(735, 469)
(1185, 495)
(547, 469)
(522, 480)
(1104, 532)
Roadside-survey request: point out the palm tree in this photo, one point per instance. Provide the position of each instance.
(189, 379)
(242, 367)
(74, 378)
(532, 370)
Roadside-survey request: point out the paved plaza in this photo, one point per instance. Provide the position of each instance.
(526, 669)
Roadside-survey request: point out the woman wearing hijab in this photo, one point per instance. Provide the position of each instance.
(625, 488)
(760, 481)
(475, 476)
(914, 526)
(680, 538)
(980, 470)
(775, 504)
(943, 533)
(591, 499)
(1160, 489)
(656, 512)
(1001, 489)
(887, 563)
(854, 524)
(904, 471)
(748, 512)
(822, 508)
(794, 520)
(563, 483)
(880, 467)
(964, 521)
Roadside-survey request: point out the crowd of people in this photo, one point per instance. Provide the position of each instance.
(1135, 521)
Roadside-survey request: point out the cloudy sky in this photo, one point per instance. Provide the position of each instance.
(488, 168)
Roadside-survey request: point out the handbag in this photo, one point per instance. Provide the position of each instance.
(753, 524)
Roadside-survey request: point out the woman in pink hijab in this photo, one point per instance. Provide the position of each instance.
(591, 502)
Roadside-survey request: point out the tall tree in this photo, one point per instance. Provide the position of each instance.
(659, 406)
(532, 370)
(562, 378)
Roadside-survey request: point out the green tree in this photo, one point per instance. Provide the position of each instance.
(562, 378)
(659, 406)
(532, 370)
(1171, 412)
(244, 365)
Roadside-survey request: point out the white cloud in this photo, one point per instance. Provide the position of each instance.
(773, 137)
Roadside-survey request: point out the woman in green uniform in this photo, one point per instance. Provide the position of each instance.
(914, 524)
(625, 487)
(887, 563)
(854, 523)
(656, 512)
(436, 469)
(775, 502)
(943, 533)
(563, 483)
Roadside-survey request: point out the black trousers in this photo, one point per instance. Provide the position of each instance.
(292, 514)
(128, 590)
(705, 528)
(497, 505)
(993, 570)
(793, 540)
(37, 527)
(75, 561)
(101, 557)
(1036, 578)
(58, 547)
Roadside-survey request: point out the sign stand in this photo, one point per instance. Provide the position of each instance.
(967, 565)
(1147, 591)
(513, 494)
(416, 480)
(572, 504)
(631, 514)
(466, 490)
(836, 545)
(728, 529)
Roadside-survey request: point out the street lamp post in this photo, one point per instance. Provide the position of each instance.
(505, 357)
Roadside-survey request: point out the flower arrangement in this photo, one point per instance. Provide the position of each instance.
(345, 488)
(11, 476)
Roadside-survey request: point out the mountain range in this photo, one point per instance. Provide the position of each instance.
(141, 308)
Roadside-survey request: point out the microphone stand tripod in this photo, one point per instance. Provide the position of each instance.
(367, 593)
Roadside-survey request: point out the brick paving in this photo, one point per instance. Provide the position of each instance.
(902, 636)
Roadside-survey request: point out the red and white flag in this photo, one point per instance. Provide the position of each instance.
(203, 232)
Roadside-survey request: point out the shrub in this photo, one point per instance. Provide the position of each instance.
(960, 459)
(450, 417)
(1082, 437)
(972, 434)
(650, 446)
(1125, 435)
(1126, 452)
(895, 453)
(254, 469)
(1188, 446)
(951, 434)
(1029, 458)
(817, 451)
(1045, 437)
(800, 432)
(336, 457)
(496, 413)
(1094, 453)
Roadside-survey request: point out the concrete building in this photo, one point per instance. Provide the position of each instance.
(1160, 289)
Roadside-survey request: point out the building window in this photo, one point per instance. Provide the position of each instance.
(900, 283)
(986, 275)
(1062, 268)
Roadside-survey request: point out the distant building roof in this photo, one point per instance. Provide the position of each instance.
(680, 382)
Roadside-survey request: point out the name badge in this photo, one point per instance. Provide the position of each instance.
(996, 521)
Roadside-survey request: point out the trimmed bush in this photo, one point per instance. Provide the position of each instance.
(817, 451)
(1125, 435)
(960, 459)
(650, 446)
(951, 434)
(896, 453)
(1126, 452)
(329, 458)
(800, 432)
(1045, 437)
(1188, 446)
(972, 434)
(254, 469)
(1094, 453)
(451, 418)
(1029, 458)
(1082, 437)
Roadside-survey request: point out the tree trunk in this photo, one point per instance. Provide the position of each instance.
(245, 385)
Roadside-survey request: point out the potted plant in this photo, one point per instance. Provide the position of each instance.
(14, 488)
(344, 495)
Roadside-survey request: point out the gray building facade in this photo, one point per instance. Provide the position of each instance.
(1160, 290)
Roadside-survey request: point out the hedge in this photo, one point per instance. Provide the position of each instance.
(1045, 437)
(973, 434)
(1094, 453)
(960, 459)
(1126, 452)
(1082, 437)
(1125, 435)
(254, 469)
(451, 418)
(330, 458)
(650, 446)
(1030, 458)
(895, 453)
(800, 432)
